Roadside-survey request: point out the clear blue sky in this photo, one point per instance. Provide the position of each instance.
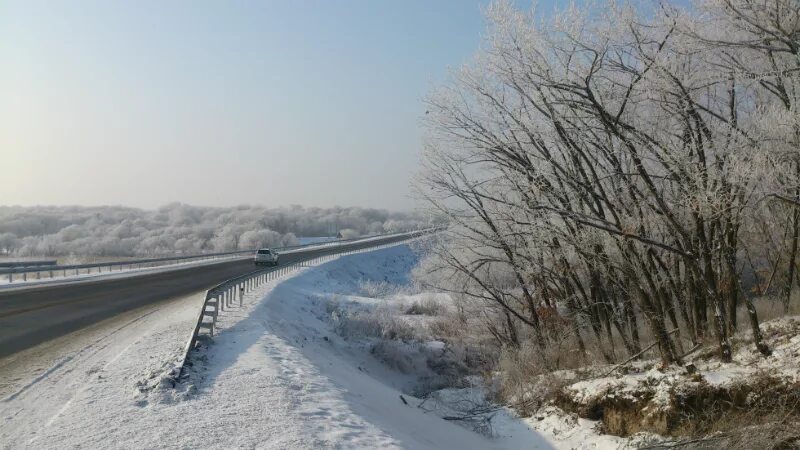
(142, 103)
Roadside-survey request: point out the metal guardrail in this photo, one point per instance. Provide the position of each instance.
(18, 264)
(51, 270)
(130, 264)
(226, 293)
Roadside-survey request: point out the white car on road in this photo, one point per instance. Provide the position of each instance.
(266, 256)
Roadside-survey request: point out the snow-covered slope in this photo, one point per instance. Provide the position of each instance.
(320, 391)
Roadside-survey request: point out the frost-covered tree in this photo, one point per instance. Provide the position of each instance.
(612, 165)
(8, 242)
(259, 238)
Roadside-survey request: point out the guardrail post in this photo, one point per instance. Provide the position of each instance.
(241, 294)
(214, 316)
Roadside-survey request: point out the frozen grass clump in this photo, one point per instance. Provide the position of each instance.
(427, 305)
(376, 289)
(371, 323)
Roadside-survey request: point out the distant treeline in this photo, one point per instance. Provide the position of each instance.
(180, 228)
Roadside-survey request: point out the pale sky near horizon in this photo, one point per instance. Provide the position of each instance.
(222, 103)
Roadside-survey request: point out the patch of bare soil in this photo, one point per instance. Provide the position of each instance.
(753, 402)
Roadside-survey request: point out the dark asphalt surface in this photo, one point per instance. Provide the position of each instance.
(33, 315)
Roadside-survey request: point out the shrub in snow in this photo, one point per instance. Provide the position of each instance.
(373, 323)
(377, 288)
(405, 357)
(426, 306)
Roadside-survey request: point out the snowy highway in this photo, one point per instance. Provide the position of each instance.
(32, 315)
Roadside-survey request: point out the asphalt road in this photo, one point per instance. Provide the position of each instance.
(36, 314)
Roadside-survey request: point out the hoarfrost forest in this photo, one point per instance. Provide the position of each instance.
(610, 163)
(622, 182)
(180, 228)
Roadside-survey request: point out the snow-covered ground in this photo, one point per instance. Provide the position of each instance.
(275, 376)
(79, 388)
(656, 390)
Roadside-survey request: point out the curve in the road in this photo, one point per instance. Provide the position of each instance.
(34, 315)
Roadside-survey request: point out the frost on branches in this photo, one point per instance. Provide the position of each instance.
(619, 180)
